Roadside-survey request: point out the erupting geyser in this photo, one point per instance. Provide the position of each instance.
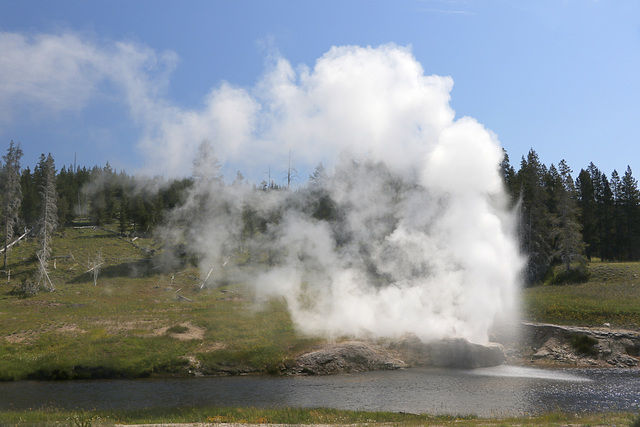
(406, 232)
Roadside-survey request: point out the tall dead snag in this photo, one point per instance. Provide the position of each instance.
(48, 215)
(11, 194)
(94, 267)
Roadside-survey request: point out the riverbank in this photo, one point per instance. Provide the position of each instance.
(544, 344)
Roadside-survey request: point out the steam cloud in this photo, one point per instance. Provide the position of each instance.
(406, 232)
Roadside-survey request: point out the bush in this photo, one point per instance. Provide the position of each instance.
(584, 344)
(28, 287)
(177, 329)
(562, 276)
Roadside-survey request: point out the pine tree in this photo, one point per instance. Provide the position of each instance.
(630, 202)
(587, 208)
(606, 220)
(11, 194)
(509, 178)
(30, 206)
(535, 219)
(618, 231)
(569, 244)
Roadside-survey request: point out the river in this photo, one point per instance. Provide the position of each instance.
(498, 391)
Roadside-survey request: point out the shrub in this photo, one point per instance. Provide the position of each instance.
(584, 344)
(177, 329)
(28, 287)
(562, 276)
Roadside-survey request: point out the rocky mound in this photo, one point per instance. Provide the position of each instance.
(542, 343)
(451, 353)
(352, 356)
(356, 356)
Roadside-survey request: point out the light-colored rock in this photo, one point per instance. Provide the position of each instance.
(352, 356)
(547, 343)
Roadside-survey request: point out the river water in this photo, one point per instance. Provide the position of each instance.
(498, 391)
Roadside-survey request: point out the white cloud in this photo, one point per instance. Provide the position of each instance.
(55, 72)
(51, 73)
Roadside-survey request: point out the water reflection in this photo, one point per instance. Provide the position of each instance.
(504, 390)
(526, 372)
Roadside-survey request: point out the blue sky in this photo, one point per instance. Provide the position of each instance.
(100, 79)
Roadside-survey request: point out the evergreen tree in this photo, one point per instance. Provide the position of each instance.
(629, 203)
(606, 220)
(68, 194)
(568, 245)
(588, 211)
(11, 194)
(616, 189)
(509, 178)
(535, 219)
(30, 206)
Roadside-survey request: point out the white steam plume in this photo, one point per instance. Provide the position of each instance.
(414, 238)
(407, 234)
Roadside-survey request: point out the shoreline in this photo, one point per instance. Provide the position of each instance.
(533, 345)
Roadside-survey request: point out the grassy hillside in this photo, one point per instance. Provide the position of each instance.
(140, 319)
(143, 318)
(611, 295)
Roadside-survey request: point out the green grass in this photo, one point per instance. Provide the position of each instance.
(610, 295)
(294, 416)
(131, 324)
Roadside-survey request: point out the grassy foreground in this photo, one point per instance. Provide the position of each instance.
(139, 319)
(298, 416)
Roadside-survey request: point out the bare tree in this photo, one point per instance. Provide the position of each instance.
(291, 173)
(94, 267)
(11, 194)
(49, 214)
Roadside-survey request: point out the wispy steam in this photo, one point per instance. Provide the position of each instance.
(408, 232)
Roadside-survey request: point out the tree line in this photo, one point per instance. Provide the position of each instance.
(566, 221)
(562, 222)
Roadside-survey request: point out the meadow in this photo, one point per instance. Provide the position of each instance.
(140, 318)
(610, 295)
(137, 320)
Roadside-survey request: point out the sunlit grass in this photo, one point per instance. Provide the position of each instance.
(294, 416)
(118, 328)
(611, 295)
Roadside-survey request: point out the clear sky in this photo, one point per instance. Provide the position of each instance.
(101, 79)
